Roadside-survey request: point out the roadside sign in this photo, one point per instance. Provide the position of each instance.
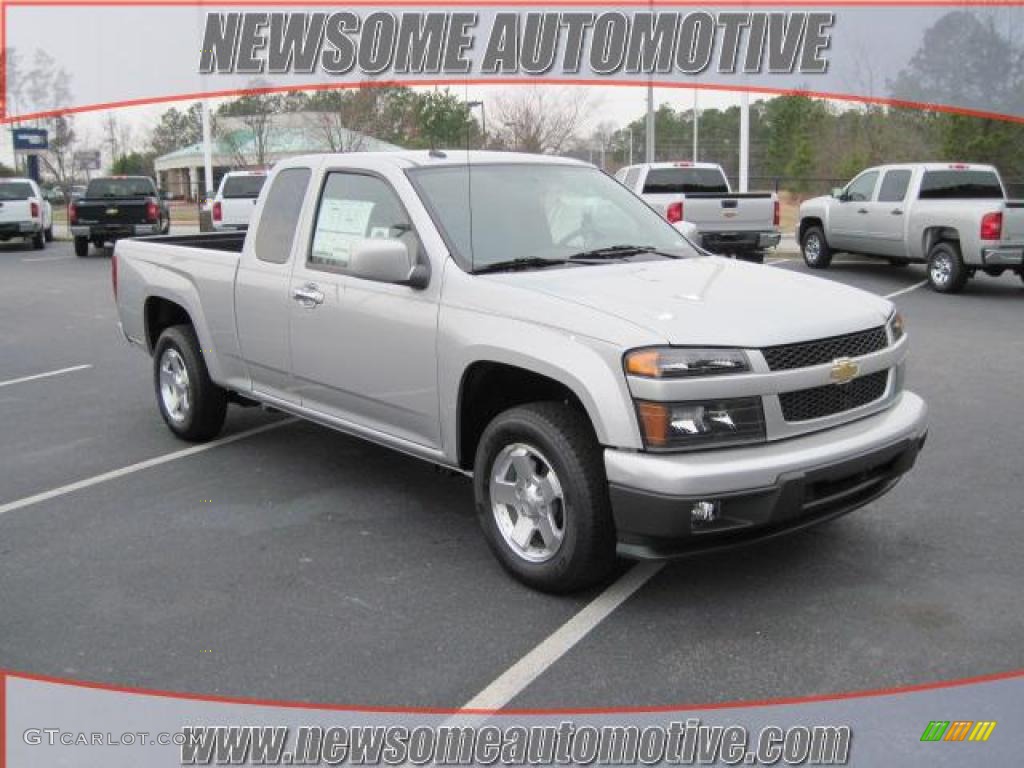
(30, 139)
(87, 160)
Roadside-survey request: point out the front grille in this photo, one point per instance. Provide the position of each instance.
(807, 353)
(828, 400)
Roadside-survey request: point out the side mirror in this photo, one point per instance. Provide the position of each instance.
(386, 260)
(839, 194)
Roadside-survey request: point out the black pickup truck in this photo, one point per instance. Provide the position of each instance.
(114, 207)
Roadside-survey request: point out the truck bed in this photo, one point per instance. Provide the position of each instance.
(232, 242)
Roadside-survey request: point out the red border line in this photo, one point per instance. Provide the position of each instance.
(792, 700)
(879, 100)
(883, 101)
(3, 718)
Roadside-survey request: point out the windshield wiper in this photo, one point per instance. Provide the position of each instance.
(621, 252)
(514, 264)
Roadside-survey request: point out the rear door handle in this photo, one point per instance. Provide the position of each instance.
(896, 212)
(862, 210)
(308, 295)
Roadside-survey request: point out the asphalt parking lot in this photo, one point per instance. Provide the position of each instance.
(289, 562)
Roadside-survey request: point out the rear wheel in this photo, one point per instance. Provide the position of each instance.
(542, 497)
(816, 252)
(191, 404)
(81, 247)
(48, 234)
(39, 240)
(946, 270)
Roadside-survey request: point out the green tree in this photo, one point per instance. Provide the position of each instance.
(133, 164)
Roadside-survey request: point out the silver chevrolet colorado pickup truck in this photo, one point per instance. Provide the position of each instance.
(529, 322)
(953, 216)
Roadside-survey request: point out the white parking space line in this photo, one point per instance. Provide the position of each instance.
(50, 258)
(902, 291)
(517, 677)
(46, 375)
(138, 467)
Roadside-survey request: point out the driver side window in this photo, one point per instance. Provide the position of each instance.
(356, 207)
(861, 188)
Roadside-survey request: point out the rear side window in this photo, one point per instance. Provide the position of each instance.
(960, 185)
(894, 187)
(674, 181)
(280, 215)
(15, 190)
(243, 186)
(137, 187)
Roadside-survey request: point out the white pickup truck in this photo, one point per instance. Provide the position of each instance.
(235, 200)
(953, 216)
(24, 212)
(528, 321)
(726, 222)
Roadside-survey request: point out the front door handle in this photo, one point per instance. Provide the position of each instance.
(862, 210)
(896, 212)
(308, 295)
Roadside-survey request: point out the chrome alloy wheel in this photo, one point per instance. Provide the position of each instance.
(527, 503)
(174, 386)
(940, 270)
(812, 247)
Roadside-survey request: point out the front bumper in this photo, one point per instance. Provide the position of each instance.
(114, 231)
(1003, 256)
(761, 490)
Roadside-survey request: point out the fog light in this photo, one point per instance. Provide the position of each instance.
(704, 512)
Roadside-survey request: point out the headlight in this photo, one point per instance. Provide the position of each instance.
(681, 362)
(896, 329)
(687, 426)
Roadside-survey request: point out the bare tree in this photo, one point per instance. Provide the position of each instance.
(537, 119)
(256, 111)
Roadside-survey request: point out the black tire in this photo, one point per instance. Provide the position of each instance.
(203, 418)
(815, 248)
(39, 240)
(48, 234)
(946, 270)
(565, 439)
(81, 247)
(754, 257)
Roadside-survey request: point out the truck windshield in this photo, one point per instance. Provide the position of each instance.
(15, 190)
(960, 185)
(685, 181)
(122, 188)
(495, 213)
(243, 186)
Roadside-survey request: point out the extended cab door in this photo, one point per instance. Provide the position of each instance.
(886, 219)
(848, 216)
(262, 296)
(364, 351)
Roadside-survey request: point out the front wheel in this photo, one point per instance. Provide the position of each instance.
(542, 497)
(191, 404)
(946, 270)
(81, 247)
(815, 248)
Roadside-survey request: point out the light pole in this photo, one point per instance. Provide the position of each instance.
(483, 121)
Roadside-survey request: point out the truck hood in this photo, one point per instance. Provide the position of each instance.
(711, 300)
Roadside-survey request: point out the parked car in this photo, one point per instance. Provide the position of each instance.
(236, 199)
(527, 320)
(727, 222)
(953, 216)
(24, 212)
(77, 191)
(114, 207)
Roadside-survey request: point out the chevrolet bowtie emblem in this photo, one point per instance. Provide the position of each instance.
(843, 370)
(111, 211)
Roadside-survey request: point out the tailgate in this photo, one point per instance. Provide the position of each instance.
(235, 211)
(1013, 222)
(754, 212)
(14, 211)
(112, 212)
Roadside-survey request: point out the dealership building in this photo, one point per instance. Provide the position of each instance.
(242, 146)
